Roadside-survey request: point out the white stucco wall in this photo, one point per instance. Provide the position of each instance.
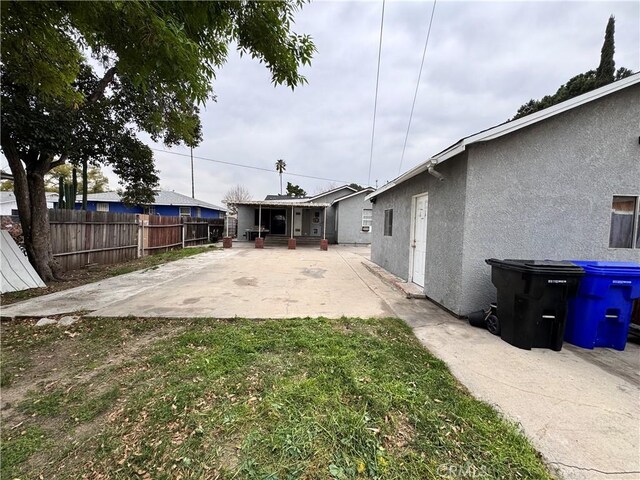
(542, 192)
(349, 215)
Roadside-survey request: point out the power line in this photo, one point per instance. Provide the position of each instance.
(415, 95)
(375, 101)
(234, 164)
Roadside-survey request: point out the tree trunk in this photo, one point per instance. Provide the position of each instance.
(38, 239)
(32, 208)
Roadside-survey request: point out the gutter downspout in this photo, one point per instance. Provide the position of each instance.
(438, 175)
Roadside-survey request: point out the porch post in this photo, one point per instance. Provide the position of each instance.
(324, 226)
(292, 241)
(259, 239)
(324, 243)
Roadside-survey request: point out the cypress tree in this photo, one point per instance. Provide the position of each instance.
(607, 68)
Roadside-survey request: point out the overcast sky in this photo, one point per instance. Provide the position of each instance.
(483, 61)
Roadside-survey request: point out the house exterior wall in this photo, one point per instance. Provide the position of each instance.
(331, 234)
(349, 219)
(445, 230)
(545, 191)
(8, 207)
(9, 203)
(445, 233)
(392, 252)
(164, 210)
(245, 220)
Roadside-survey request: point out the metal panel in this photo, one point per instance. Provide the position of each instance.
(17, 272)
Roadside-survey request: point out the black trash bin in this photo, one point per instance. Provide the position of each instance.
(532, 300)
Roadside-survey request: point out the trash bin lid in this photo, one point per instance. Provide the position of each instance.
(593, 267)
(537, 266)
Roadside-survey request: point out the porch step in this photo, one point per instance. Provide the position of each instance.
(276, 241)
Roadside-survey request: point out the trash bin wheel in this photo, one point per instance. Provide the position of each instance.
(476, 319)
(493, 324)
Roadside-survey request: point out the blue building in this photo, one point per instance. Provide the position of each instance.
(166, 203)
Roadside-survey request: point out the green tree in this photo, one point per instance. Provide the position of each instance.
(583, 82)
(97, 182)
(281, 166)
(157, 63)
(39, 135)
(295, 190)
(606, 70)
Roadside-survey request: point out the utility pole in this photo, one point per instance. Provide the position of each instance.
(193, 193)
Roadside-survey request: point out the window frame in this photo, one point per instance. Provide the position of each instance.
(181, 211)
(102, 206)
(369, 219)
(635, 219)
(388, 222)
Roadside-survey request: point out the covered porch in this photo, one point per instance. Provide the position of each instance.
(282, 220)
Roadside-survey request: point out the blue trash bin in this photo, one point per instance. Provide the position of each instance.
(599, 315)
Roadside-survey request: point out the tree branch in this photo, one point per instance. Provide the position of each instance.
(20, 186)
(60, 161)
(102, 85)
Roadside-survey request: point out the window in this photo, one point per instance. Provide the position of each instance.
(198, 212)
(150, 210)
(185, 211)
(367, 216)
(388, 222)
(102, 207)
(625, 222)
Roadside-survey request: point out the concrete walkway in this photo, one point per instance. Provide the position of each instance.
(580, 408)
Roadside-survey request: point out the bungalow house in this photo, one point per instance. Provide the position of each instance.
(9, 204)
(562, 183)
(340, 215)
(166, 203)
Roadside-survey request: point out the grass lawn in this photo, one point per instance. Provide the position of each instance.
(274, 399)
(79, 277)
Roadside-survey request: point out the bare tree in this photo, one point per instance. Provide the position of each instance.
(239, 193)
(326, 188)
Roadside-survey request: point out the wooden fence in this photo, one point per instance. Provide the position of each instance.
(161, 233)
(79, 237)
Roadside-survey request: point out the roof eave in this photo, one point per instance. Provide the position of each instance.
(507, 128)
(332, 191)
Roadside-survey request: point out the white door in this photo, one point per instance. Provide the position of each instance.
(297, 222)
(419, 239)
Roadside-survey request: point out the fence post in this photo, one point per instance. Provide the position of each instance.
(140, 235)
(184, 231)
